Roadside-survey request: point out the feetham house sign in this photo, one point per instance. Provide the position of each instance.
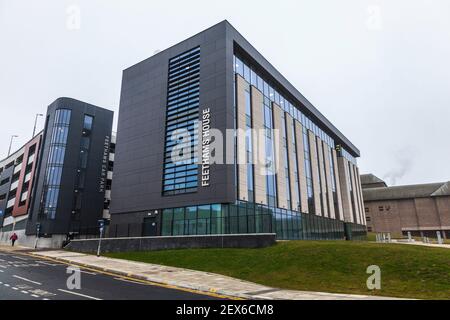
(206, 152)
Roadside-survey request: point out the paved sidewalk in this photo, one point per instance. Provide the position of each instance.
(419, 243)
(9, 248)
(194, 280)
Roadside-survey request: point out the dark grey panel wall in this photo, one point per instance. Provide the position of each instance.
(171, 243)
(137, 184)
(93, 197)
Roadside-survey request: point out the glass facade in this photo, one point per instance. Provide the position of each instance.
(308, 172)
(319, 174)
(286, 160)
(271, 93)
(298, 223)
(333, 185)
(55, 163)
(344, 153)
(295, 206)
(271, 185)
(350, 187)
(249, 218)
(249, 145)
(180, 162)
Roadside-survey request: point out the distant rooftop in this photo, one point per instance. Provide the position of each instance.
(371, 181)
(407, 192)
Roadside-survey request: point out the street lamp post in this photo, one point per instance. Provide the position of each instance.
(10, 143)
(101, 224)
(35, 122)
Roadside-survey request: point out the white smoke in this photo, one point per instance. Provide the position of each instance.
(402, 165)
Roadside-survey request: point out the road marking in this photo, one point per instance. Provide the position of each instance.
(92, 273)
(42, 293)
(156, 284)
(36, 296)
(6, 285)
(24, 287)
(79, 294)
(48, 264)
(45, 299)
(1, 271)
(14, 288)
(20, 258)
(25, 279)
(131, 281)
(4, 267)
(23, 291)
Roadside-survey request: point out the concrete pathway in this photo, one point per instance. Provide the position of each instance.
(9, 248)
(194, 280)
(423, 244)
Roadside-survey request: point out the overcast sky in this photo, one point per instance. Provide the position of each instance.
(378, 69)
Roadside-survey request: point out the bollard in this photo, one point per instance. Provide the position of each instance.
(439, 237)
(409, 237)
(389, 238)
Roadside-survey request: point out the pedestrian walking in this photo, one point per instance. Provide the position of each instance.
(13, 238)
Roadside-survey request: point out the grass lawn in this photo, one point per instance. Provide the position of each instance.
(328, 266)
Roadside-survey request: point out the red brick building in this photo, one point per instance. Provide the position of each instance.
(420, 209)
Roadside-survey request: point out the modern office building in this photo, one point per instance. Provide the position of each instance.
(17, 175)
(282, 168)
(421, 209)
(69, 166)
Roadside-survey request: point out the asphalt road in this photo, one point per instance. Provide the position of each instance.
(23, 277)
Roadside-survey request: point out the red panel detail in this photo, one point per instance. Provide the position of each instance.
(23, 210)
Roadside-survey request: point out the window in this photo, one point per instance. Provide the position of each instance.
(204, 220)
(31, 150)
(274, 94)
(216, 219)
(367, 209)
(55, 161)
(88, 122)
(180, 175)
(246, 217)
(81, 176)
(4, 181)
(85, 142)
(83, 159)
(167, 222)
(380, 208)
(56, 154)
(178, 222)
(191, 221)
